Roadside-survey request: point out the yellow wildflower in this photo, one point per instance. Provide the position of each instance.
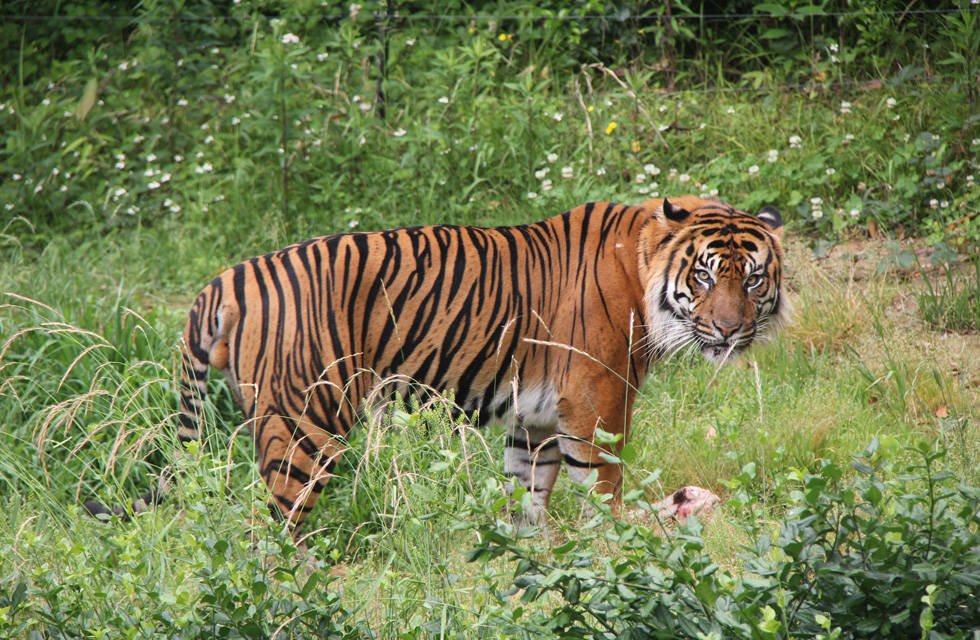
(611, 127)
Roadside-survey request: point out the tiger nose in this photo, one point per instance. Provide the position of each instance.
(727, 327)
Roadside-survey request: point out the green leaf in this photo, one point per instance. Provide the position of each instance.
(774, 33)
(87, 100)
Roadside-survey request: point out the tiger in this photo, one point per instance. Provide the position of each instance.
(547, 328)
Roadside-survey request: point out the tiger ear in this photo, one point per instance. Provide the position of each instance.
(673, 212)
(772, 218)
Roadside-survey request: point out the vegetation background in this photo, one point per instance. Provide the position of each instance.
(148, 145)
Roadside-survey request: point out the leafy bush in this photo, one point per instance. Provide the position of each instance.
(228, 590)
(863, 558)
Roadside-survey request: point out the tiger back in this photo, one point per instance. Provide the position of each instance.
(548, 328)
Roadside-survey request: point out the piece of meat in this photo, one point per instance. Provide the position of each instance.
(684, 502)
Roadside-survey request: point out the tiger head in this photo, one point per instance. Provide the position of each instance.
(712, 276)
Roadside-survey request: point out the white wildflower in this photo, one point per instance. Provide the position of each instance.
(552, 157)
(566, 172)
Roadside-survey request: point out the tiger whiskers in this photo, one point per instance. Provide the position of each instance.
(666, 338)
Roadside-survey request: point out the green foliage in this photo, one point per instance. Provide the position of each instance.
(861, 558)
(226, 590)
(255, 124)
(143, 154)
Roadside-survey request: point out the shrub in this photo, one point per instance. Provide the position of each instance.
(863, 558)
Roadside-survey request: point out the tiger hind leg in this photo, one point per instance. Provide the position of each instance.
(295, 458)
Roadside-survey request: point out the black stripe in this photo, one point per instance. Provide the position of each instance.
(238, 282)
(573, 462)
(513, 442)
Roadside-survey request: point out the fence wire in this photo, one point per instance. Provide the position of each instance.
(501, 18)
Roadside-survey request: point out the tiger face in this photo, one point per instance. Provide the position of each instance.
(713, 277)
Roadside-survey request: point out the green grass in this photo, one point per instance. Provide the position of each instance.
(952, 301)
(114, 219)
(387, 530)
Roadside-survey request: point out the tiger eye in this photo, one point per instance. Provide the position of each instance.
(703, 276)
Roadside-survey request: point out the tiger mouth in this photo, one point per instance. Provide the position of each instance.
(721, 351)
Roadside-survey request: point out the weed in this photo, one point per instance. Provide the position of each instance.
(951, 301)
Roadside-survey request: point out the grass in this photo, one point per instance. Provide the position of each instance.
(952, 301)
(87, 393)
(115, 219)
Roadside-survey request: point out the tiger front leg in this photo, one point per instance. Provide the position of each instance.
(580, 415)
(532, 456)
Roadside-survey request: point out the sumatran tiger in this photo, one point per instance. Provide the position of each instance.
(548, 328)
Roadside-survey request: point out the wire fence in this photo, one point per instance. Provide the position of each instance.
(670, 90)
(651, 17)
